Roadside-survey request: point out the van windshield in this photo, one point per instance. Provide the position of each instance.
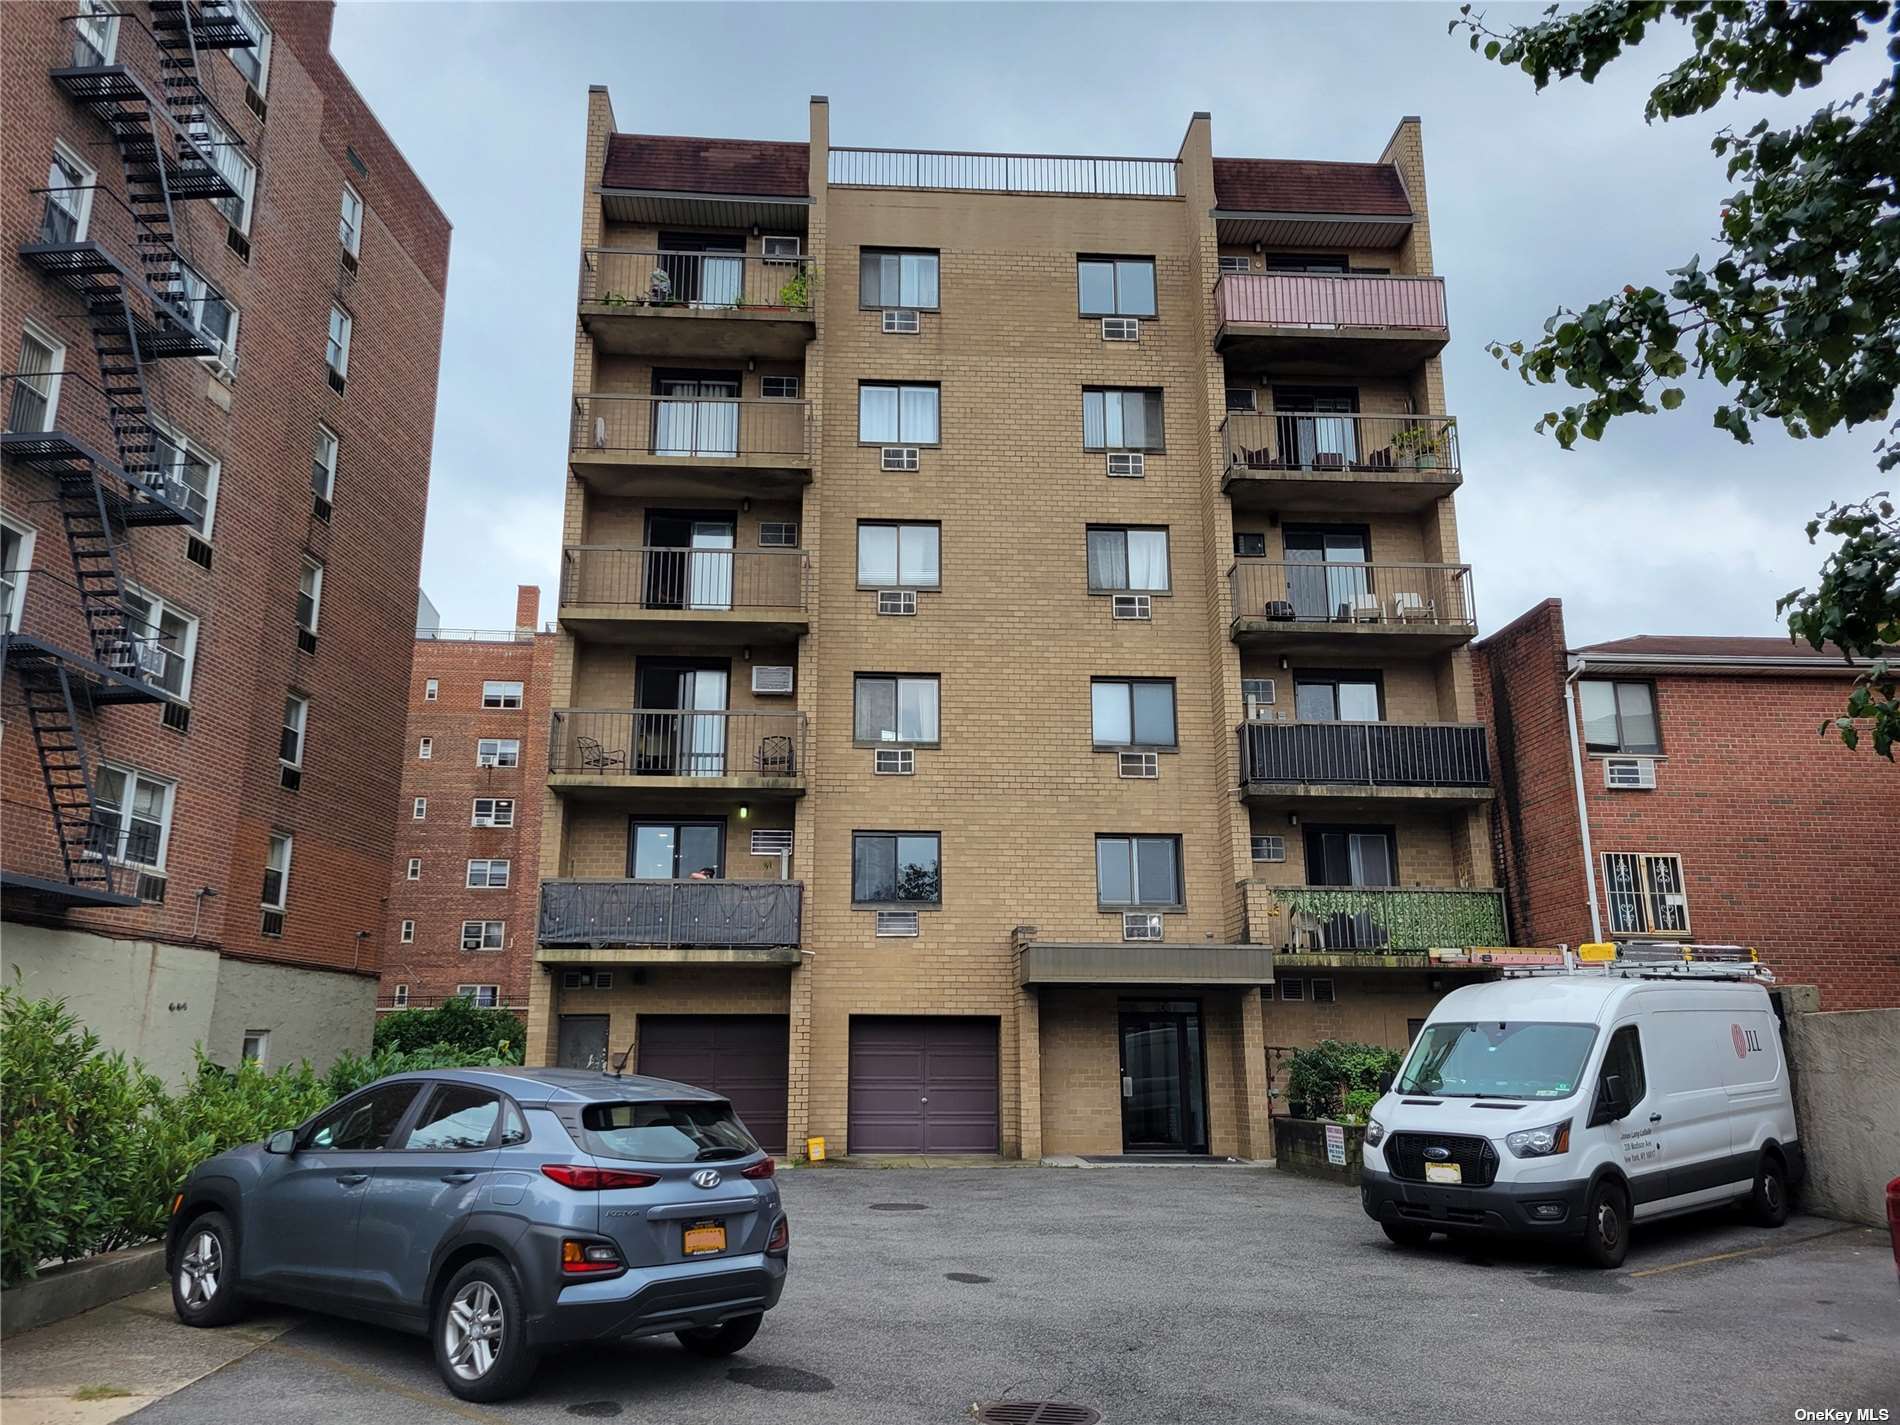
(1497, 1059)
(666, 1132)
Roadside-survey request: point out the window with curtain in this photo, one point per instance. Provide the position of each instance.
(1115, 419)
(277, 873)
(1343, 697)
(897, 279)
(1123, 559)
(895, 868)
(34, 393)
(1619, 717)
(290, 741)
(1116, 286)
(898, 556)
(1133, 712)
(891, 414)
(131, 815)
(895, 709)
(1138, 871)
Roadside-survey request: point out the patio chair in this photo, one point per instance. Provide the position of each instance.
(775, 756)
(1365, 608)
(595, 758)
(1280, 610)
(1414, 608)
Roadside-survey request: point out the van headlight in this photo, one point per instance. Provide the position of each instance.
(1375, 1133)
(1539, 1142)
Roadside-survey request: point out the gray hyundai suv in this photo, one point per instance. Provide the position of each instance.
(501, 1211)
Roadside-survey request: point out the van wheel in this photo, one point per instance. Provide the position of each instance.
(1405, 1235)
(204, 1276)
(1769, 1205)
(1606, 1225)
(481, 1333)
(723, 1339)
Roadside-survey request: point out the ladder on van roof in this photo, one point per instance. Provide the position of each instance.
(1630, 959)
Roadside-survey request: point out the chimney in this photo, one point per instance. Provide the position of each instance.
(527, 606)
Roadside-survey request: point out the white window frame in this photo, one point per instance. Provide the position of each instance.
(246, 15)
(336, 350)
(236, 168)
(1644, 894)
(500, 929)
(302, 728)
(198, 295)
(401, 998)
(419, 809)
(133, 776)
(15, 577)
(261, 1055)
(348, 232)
(188, 450)
(31, 330)
(160, 606)
(431, 689)
(407, 936)
(475, 817)
(1235, 262)
(425, 749)
(328, 468)
(105, 39)
(287, 841)
(488, 865)
(900, 389)
(797, 388)
(415, 868)
(481, 996)
(498, 752)
(898, 527)
(81, 207)
(497, 689)
(313, 568)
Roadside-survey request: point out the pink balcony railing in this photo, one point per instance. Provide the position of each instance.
(1301, 299)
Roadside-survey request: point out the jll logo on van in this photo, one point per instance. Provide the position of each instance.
(1747, 1041)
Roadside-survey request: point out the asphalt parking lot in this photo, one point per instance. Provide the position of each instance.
(1161, 1295)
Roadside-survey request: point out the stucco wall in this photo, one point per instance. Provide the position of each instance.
(311, 1014)
(1847, 1104)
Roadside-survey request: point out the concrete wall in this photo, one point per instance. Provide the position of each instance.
(1847, 1104)
(311, 1014)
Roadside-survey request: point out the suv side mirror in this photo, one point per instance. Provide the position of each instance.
(1611, 1105)
(284, 1141)
(1385, 1083)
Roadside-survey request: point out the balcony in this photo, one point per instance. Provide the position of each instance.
(680, 922)
(109, 655)
(1329, 321)
(644, 446)
(612, 754)
(1372, 464)
(650, 596)
(1363, 924)
(40, 413)
(34, 872)
(1115, 962)
(696, 304)
(1383, 609)
(1364, 761)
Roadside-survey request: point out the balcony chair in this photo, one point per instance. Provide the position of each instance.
(595, 758)
(1364, 608)
(1280, 610)
(1414, 608)
(775, 756)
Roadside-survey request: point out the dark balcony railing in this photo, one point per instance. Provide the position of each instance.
(760, 914)
(31, 850)
(1371, 754)
(666, 742)
(697, 580)
(698, 428)
(629, 277)
(1003, 172)
(1315, 592)
(53, 417)
(1327, 300)
(51, 613)
(1400, 921)
(1300, 440)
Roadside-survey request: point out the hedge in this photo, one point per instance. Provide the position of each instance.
(1336, 1078)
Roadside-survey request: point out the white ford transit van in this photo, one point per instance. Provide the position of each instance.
(1569, 1105)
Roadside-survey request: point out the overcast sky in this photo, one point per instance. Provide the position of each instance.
(1666, 526)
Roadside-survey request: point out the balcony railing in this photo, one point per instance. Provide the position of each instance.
(1331, 300)
(31, 855)
(49, 418)
(760, 914)
(688, 580)
(709, 281)
(52, 614)
(666, 742)
(1288, 440)
(699, 429)
(1003, 172)
(1370, 754)
(1324, 918)
(1429, 595)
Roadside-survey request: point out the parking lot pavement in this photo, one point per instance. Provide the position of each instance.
(1176, 1294)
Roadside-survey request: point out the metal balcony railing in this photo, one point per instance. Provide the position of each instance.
(51, 417)
(1329, 300)
(717, 281)
(683, 913)
(51, 614)
(697, 580)
(669, 742)
(698, 428)
(1296, 440)
(30, 851)
(1431, 595)
(1371, 754)
(1324, 918)
(1003, 172)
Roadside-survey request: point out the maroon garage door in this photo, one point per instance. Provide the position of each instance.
(742, 1056)
(923, 1086)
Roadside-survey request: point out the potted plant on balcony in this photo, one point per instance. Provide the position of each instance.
(796, 293)
(1420, 446)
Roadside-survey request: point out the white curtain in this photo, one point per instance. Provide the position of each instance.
(720, 280)
(918, 424)
(917, 555)
(1147, 559)
(877, 415)
(709, 583)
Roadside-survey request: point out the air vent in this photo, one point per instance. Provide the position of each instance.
(337, 383)
(1121, 328)
(273, 923)
(1141, 925)
(1134, 606)
(894, 761)
(198, 552)
(774, 842)
(1127, 463)
(151, 888)
(1293, 989)
(897, 922)
(1630, 774)
(255, 103)
(897, 601)
(306, 640)
(290, 778)
(176, 716)
(238, 243)
(1269, 848)
(899, 457)
(1322, 991)
(1140, 764)
(319, 508)
(902, 323)
(772, 680)
(603, 979)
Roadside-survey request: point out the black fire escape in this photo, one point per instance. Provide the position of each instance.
(138, 311)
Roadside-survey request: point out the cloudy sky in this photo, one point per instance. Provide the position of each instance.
(1665, 526)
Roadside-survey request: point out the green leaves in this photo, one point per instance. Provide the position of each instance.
(1856, 607)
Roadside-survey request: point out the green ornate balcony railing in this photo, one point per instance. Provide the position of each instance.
(1395, 921)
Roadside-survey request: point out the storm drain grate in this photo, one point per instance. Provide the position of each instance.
(900, 1207)
(1036, 1412)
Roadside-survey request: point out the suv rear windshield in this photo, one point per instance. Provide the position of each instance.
(1497, 1059)
(666, 1132)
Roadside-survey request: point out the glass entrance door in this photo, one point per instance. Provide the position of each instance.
(697, 417)
(1337, 584)
(709, 581)
(1164, 1102)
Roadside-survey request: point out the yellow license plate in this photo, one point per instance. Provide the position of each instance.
(1444, 1173)
(703, 1239)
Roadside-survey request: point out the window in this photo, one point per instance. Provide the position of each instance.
(898, 556)
(1236, 262)
(1336, 697)
(493, 811)
(897, 415)
(1293, 989)
(1138, 871)
(337, 352)
(309, 595)
(780, 248)
(253, 62)
(779, 388)
(678, 851)
(34, 400)
(95, 34)
(897, 279)
(323, 467)
(895, 709)
(895, 868)
(1123, 558)
(349, 227)
(431, 690)
(16, 559)
(425, 749)
(1267, 847)
(256, 1048)
(187, 476)
(1257, 694)
(362, 1124)
(419, 810)
(483, 934)
(501, 695)
(214, 318)
(1133, 712)
(1645, 893)
(1350, 856)
(457, 1119)
(1305, 262)
(290, 740)
(1249, 544)
(778, 534)
(1240, 398)
(408, 937)
(233, 166)
(1121, 420)
(277, 873)
(1116, 286)
(481, 996)
(132, 815)
(1619, 717)
(69, 184)
(487, 875)
(498, 751)
(162, 641)
(415, 868)
(1623, 1058)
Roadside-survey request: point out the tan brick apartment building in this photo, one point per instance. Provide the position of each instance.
(223, 304)
(1713, 811)
(1007, 600)
(465, 882)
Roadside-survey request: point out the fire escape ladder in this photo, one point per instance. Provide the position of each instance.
(52, 713)
(94, 549)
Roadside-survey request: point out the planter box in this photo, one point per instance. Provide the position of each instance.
(1300, 1145)
(67, 1290)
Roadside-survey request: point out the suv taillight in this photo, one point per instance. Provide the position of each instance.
(583, 1177)
(759, 1170)
(781, 1238)
(589, 1259)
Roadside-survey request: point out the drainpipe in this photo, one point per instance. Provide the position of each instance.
(1583, 814)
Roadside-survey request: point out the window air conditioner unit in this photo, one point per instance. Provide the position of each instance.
(1269, 848)
(779, 249)
(1121, 328)
(897, 923)
(1140, 764)
(1127, 462)
(1141, 925)
(897, 601)
(472, 942)
(899, 322)
(151, 888)
(772, 680)
(894, 761)
(289, 778)
(899, 457)
(1133, 606)
(1629, 774)
(273, 923)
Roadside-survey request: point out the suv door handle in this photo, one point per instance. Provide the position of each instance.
(458, 1177)
(352, 1179)
(1655, 1118)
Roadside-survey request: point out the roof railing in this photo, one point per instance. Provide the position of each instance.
(1018, 173)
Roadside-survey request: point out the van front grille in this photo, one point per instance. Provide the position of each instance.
(1477, 1160)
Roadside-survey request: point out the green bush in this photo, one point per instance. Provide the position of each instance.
(459, 1025)
(1357, 1107)
(1322, 1080)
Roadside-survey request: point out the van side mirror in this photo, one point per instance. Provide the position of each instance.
(1611, 1104)
(1385, 1083)
(282, 1142)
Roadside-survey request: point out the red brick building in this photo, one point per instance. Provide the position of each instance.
(223, 310)
(464, 887)
(1713, 810)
